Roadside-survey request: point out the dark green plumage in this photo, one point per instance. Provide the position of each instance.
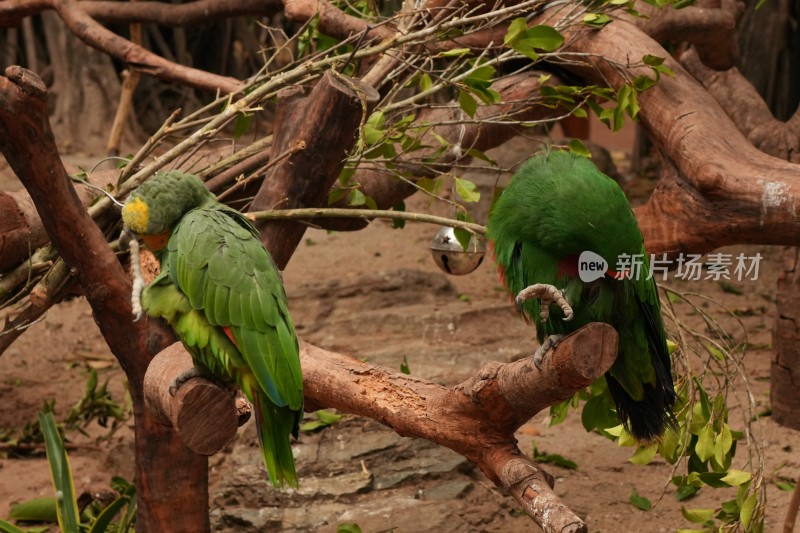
(223, 295)
(557, 206)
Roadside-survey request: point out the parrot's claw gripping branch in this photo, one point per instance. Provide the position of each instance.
(549, 343)
(548, 294)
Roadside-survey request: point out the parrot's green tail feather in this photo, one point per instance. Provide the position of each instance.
(274, 425)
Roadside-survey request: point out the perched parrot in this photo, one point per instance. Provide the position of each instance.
(556, 207)
(222, 294)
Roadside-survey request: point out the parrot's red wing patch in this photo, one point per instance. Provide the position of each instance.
(229, 334)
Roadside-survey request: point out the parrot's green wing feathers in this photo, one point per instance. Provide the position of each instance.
(216, 261)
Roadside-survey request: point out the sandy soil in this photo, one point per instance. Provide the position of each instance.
(377, 294)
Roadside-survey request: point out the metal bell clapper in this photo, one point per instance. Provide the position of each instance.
(452, 258)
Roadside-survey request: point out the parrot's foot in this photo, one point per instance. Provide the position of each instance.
(550, 342)
(547, 294)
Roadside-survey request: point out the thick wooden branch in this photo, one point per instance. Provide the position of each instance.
(745, 107)
(312, 137)
(87, 29)
(205, 416)
(477, 418)
(166, 14)
(710, 28)
(332, 20)
(717, 189)
(168, 476)
(21, 229)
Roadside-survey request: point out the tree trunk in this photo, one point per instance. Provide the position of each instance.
(85, 85)
(767, 60)
(785, 371)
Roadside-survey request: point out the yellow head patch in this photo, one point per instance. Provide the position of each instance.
(136, 214)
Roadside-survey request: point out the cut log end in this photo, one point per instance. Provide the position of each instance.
(205, 415)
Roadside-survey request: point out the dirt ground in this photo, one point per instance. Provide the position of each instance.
(378, 295)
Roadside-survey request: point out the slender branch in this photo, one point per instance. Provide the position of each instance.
(365, 214)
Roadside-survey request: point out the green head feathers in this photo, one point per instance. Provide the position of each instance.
(159, 203)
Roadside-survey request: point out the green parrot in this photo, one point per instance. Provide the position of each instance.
(221, 292)
(547, 229)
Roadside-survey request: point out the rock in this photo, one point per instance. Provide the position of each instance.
(245, 520)
(335, 485)
(447, 491)
(433, 460)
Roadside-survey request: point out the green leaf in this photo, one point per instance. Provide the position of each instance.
(467, 190)
(712, 479)
(103, 521)
(785, 485)
(734, 478)
(348, 528)
(596, 20)
(516, 30)
(324, 419)
(373, 129)
(553, 458)
(455, 52)
(715, 352)
(685, 492)
(544, 38)
(640, 502)
(722, 444)
(705, 443)
(404, 366)
(642, 83)
(748, 507)
(241, 124)
(697, 516)
(467, 103)
(653, 61)
(328, 417)
(599, 414)
(430, 185)
(644, 454)
(425, 82)
(35, 510)
(578, 148)
(356, 198)
(61, 474)
(7, 527)
(477, 154)
(463, 236)
(399, 223)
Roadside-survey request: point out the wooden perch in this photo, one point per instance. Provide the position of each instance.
(21, 227)
(710, 28)
(312, 137)
(196, 12)
(87, 29)
(717, 188)
(204, 415)
(477, 418)
(745, 107)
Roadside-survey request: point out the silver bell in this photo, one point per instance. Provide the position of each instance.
(451, 257)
